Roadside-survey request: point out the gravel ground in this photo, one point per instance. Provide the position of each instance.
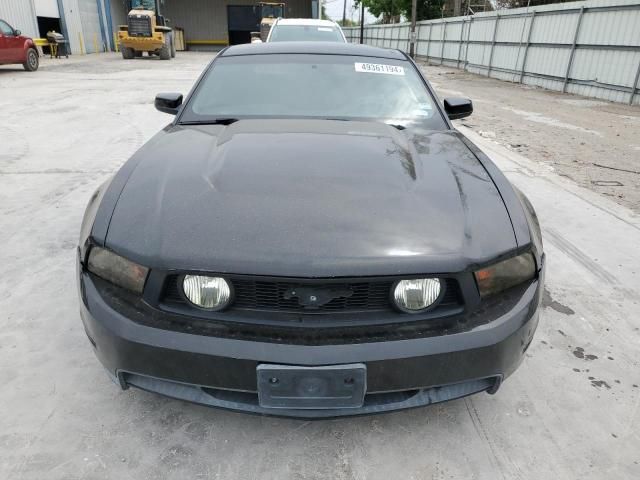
(592, 142)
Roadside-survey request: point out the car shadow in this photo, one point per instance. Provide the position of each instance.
(146, 58)
(323, 448)
(399, 421)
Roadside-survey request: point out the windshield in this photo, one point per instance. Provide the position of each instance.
(272, 11)
(146, 4)
(306, 33)
(314, 86)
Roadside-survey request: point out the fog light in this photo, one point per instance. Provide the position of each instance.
(418, 294)
(210, 293)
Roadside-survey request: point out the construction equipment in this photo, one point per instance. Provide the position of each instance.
(269, 12)
(146, 31)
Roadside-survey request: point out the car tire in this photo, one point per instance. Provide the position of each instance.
(33, 60)
(165, 51)
(138, 54)
(127, 53)
(173, 47)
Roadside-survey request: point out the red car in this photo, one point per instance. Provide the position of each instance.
(16, 48)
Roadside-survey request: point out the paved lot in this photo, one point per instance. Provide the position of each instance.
(570, 412)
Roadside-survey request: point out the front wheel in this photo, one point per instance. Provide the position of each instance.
(33, 61)
(127, 53)
(172, 39)
(165, 51)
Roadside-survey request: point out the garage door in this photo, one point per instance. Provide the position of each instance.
(47, 8)
(242, 20)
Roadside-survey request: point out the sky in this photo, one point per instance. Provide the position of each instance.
(334, 10)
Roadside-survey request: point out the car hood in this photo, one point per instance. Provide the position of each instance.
(312, 198)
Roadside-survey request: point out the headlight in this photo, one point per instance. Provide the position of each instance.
(506, 274)
(418, 294)
(211, 293)
(117, 269)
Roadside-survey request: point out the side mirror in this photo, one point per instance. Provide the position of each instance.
(458, 107)
(168, 102)
(17, 32)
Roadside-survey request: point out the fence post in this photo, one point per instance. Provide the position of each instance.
(466, 47)
(493, 43)
(460, 43)
(526, 48)
(391, 37)
(429, 41)
(634, 87)
(573, 50)
(444, 39)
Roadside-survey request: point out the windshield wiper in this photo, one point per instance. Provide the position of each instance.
(212, 121)
(339, 119)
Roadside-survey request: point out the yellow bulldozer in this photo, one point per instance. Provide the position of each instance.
(270, 11)
(146, 31)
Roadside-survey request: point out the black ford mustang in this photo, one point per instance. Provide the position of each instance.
(310, 237)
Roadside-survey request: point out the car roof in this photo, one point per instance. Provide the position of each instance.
(306, 21)
(317, 48)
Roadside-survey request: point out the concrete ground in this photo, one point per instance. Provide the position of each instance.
(570, 412)
(592, 142)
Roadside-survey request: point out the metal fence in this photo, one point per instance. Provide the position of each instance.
(587, 48)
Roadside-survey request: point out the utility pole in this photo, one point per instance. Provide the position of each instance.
(344, 14)
(362, 21)
(412, 38)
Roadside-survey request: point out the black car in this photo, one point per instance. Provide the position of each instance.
(310, 237)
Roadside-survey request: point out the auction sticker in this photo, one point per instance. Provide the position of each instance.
(379, 68)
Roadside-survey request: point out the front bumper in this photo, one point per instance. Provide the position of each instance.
(221, 372)
(155, 42)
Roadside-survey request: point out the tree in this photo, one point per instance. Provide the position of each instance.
(392, 10)
(427, 9)
(347, 23)
(387, 9)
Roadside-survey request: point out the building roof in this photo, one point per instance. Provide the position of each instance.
(318, 48)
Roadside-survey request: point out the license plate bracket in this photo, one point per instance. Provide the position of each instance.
(311, 388)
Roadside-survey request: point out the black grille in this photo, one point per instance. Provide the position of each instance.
(269, 296)
(444, 321)
(139, 26)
